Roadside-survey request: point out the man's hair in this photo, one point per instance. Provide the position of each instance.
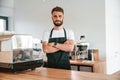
(58, 9)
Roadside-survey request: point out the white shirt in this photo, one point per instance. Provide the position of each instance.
(57, 34)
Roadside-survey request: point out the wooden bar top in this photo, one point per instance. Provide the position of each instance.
(84, 62)
(97, 66)
(55, 74)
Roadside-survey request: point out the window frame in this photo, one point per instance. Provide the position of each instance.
(6, 20)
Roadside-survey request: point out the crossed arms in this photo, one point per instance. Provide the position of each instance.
(67, 46)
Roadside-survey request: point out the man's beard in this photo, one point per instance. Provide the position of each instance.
(58, 24)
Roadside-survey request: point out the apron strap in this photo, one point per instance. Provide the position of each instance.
(65, 33)
(51, 33)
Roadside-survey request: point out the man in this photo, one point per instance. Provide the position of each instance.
(58, 42)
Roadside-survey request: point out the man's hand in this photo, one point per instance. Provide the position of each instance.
(49, 47)
(68, 46)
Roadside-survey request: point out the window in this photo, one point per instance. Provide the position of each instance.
(3, 23)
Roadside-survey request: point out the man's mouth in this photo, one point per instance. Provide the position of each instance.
(58, 21)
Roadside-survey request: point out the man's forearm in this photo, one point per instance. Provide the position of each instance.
(65, 47)
(49, 49)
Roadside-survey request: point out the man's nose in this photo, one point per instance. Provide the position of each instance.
(58, 18)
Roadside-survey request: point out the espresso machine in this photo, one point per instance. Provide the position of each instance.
(82, 49)
(16, 53)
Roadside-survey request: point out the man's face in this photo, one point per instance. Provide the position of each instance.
(57, 18)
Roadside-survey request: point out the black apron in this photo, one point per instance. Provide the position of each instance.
(59, 59)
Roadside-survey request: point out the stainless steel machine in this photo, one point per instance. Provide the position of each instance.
(82, 49)
(16, 53)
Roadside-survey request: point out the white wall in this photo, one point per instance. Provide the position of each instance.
(113, 35)
(7, 9)
(82, 16)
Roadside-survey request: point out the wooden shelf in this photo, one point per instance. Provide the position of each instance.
(5, 37)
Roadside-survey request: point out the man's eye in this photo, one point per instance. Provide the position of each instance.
(55, 16)
(60, 16)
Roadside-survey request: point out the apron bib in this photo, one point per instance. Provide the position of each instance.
(59, 59)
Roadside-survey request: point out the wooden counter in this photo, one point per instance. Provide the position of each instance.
(97, 66)
(55, 74)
